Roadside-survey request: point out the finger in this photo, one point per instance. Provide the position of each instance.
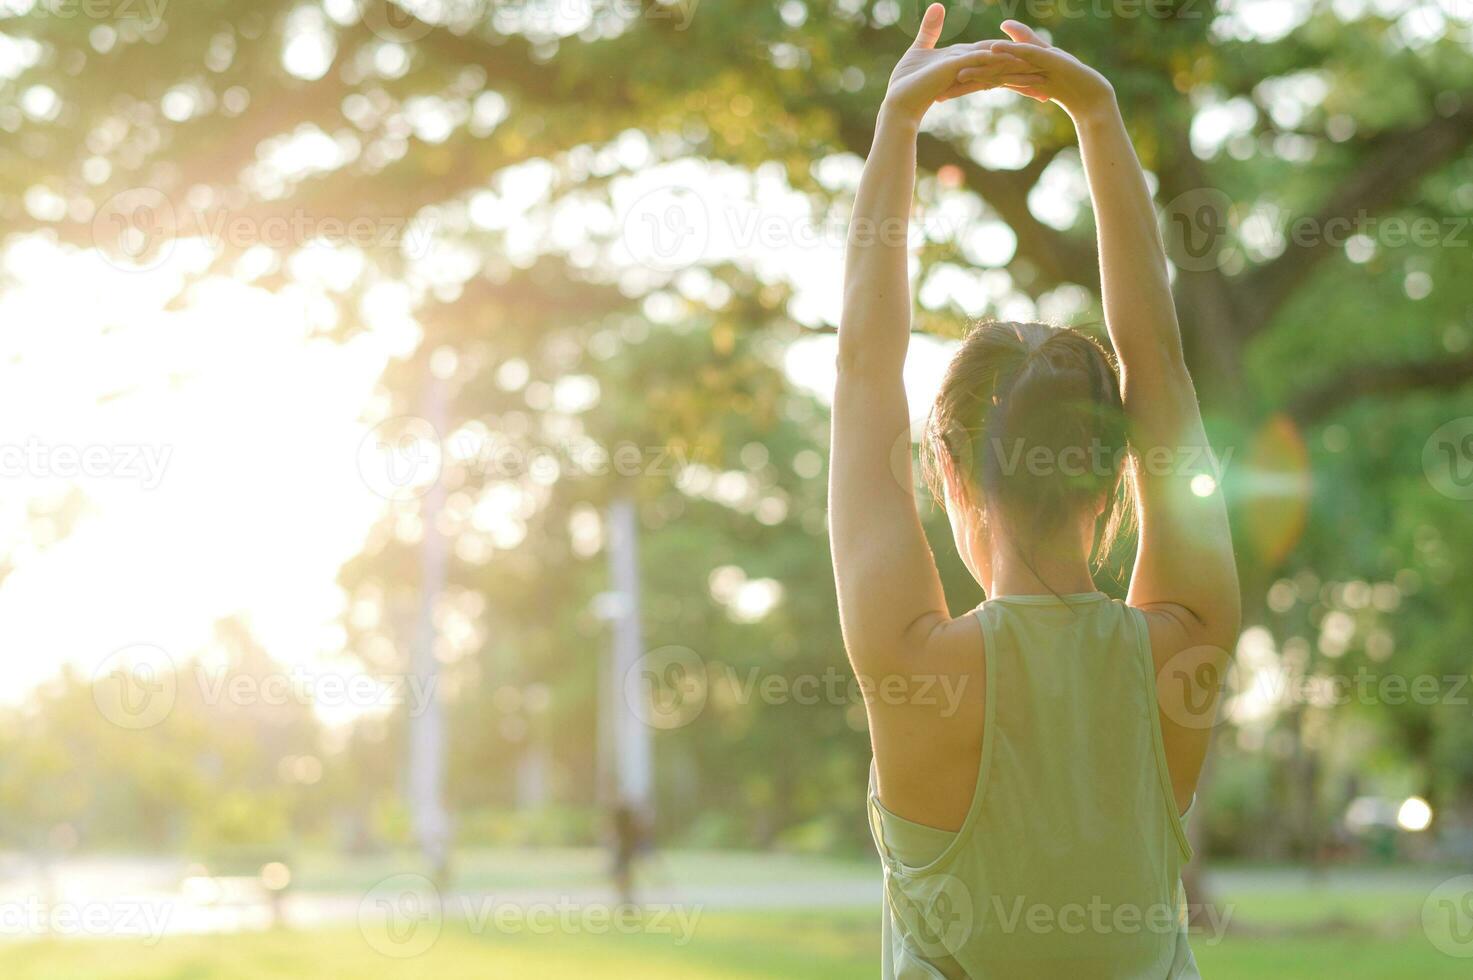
(1031, 53)
(1017, 83)
(945, 70)
(1023, 77)
(995, 58)
(1031, 92)
(994, 68)
(957, 91)
(1022, 33)
(931, 25)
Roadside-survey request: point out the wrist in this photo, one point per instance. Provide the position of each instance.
(1097, 106)
(893, 116)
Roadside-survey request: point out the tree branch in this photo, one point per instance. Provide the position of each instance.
(1395, 164)
(1380, 379)
(1057, 258)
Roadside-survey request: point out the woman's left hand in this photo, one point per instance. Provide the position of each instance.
(1062, 78)
(927, 74)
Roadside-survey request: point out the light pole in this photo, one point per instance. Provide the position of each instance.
(427, 720)
(627, 755)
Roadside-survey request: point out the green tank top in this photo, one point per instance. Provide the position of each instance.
(1069, 861)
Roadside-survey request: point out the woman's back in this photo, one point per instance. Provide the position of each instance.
(1069, 860)
(1042, 449)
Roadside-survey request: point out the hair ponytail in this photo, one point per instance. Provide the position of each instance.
(1030, 424)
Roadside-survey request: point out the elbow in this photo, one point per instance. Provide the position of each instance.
(850, 359)
(1158, 376)
(868, 364)
(866, 351)
(1162, 354)
(1225, 622)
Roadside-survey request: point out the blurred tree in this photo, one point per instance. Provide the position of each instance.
(494, 150)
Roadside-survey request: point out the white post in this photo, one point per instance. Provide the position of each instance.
(633, 761)
(426, 780)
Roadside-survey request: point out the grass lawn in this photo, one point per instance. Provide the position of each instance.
(492, 868)
(1351, 926)
(835, 944)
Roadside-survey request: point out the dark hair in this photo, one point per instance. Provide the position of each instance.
(1030, 418)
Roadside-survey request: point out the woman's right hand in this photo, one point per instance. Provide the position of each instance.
(1063, 78)
(927, 74)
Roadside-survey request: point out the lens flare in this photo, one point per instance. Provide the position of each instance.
(1415, 815)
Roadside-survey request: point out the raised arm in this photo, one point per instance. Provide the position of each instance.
(890, 596)
(1185, 576)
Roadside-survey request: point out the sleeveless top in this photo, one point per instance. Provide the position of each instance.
(1068, 863)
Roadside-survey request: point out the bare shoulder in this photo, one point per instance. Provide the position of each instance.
(1177, 635)
(932, 642)
(955, 643)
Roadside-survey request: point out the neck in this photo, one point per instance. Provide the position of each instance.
(1053, 569)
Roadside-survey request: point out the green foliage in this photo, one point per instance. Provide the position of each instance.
(689, 362)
